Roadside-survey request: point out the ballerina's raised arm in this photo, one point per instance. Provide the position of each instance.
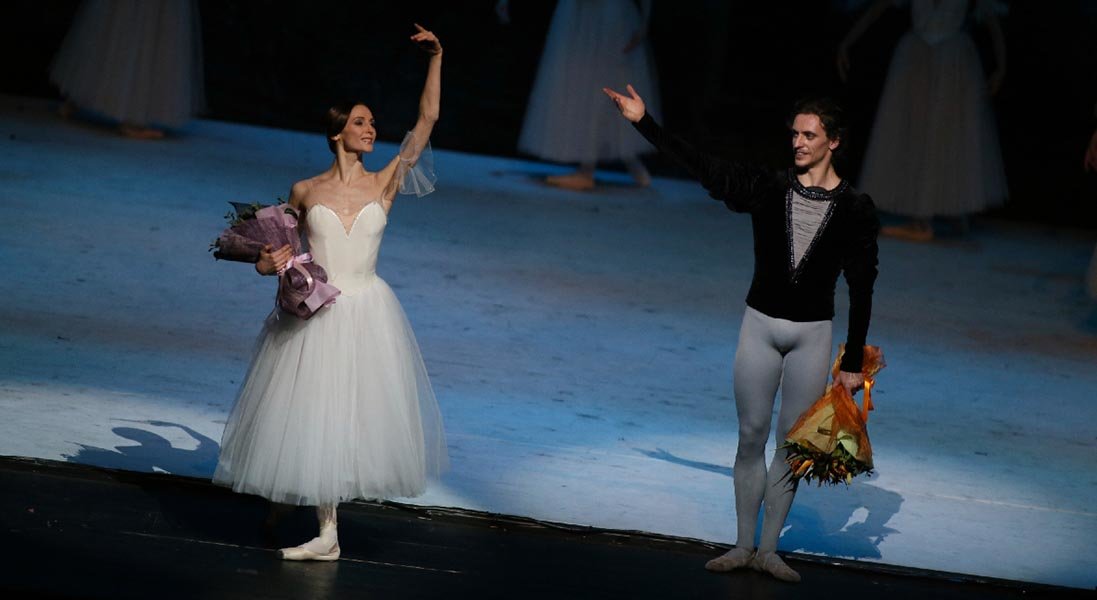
(396, 173)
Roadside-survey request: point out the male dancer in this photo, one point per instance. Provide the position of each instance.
(809, 226)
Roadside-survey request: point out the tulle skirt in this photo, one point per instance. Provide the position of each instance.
(134, 61)
(335, 408)
(569, 118)
(934, 146)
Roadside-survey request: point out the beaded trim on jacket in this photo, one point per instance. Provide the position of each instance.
(812, 193)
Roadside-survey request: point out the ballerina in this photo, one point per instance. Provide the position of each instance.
(340, 406)
(138, 64)
(934, 146)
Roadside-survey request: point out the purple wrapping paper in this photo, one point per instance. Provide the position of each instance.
(302, 287)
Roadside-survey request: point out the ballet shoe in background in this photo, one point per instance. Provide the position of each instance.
(577, 181)
(140, 133)
(639, 173)
(911, 232)
(66, 110)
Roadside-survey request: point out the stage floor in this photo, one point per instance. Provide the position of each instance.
(580, 345)
(119, 534)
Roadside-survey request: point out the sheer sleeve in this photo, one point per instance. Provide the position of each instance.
(416, 169)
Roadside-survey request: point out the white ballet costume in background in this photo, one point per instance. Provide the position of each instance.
(339, 406)
(138, 62)
(934, 145)
(569, 118)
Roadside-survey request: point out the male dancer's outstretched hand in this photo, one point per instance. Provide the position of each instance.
(632, 108)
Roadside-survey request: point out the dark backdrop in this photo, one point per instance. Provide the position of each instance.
(728, 71)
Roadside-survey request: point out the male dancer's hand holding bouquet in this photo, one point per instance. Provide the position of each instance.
(829, 443)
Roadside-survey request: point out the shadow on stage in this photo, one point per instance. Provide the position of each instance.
(153, 452)
(849, 522)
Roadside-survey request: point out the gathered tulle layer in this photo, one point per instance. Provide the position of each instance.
(335, 408)
(934, 146)
(135, 61)
(569, 118)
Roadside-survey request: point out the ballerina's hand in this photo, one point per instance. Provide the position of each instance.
(631, 107)
(427, 40)
(271, 262)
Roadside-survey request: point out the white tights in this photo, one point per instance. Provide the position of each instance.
(772, 353)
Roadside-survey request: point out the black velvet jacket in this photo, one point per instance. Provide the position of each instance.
(845, 242)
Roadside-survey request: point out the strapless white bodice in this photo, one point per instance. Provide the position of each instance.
(348, 256)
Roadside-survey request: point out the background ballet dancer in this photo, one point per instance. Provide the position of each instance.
(590, 43)
(135, 62)
(934, 151)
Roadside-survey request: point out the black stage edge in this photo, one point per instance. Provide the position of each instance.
(73, 531)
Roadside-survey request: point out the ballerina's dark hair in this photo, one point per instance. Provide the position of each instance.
(336, 119)
(830, 114)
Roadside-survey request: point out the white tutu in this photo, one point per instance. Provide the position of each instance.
(569, 118)
(339, 406)
(934, 146)
(135, 61)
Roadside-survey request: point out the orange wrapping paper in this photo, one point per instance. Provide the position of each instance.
(835, 426)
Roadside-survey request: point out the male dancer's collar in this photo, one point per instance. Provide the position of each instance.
(815, 192)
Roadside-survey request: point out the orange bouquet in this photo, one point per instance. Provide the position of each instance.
(829, 443)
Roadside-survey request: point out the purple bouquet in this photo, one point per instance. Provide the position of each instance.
(303, 286)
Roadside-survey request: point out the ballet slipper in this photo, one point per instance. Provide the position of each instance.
(736, 558)
(769, 562)
(577, 181)
(911, 232)
(640, 174)
(307, 551)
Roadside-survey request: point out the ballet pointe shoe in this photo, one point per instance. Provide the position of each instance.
(736, 558)
(324, 547)
(769, 562)
(577, 181)
(302, 552)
